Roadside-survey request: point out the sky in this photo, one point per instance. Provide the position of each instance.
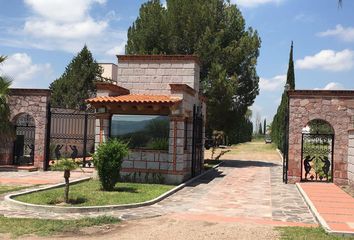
(40, 37)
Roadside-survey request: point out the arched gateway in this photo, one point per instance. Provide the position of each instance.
(321, 136)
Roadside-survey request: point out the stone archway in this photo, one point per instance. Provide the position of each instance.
(334, 107)
(34, 102)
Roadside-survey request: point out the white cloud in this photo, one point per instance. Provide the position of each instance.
(328, 60)
(254, 3)
(66, 25)
(345, 34)
(120, 49)
(62, 10)
(272, 84)
(332, 86)
(20, 68)
(303, 18)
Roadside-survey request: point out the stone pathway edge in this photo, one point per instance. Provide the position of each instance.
(57, 209)
(317, 215)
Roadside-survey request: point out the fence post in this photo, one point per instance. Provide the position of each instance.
(85, 141)
(47, 140)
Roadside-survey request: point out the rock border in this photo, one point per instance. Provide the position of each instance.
(59, 209)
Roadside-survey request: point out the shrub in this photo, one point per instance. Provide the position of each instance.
(108, 161)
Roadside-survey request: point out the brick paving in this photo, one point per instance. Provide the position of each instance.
(239, 191)
(334, 205)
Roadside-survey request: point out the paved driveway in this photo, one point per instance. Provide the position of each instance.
(247, 189)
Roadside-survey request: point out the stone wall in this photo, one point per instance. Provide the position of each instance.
(33, 102)
(351, 158)
(335, 107)
(154, 77)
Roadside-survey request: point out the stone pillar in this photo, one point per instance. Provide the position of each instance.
(102, 128)
(351, 157)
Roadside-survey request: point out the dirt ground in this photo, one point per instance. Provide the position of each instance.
(162, 228)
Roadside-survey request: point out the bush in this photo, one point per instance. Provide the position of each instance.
(158, 144)
(108, 161)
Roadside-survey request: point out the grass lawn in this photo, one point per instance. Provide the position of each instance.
(44, 227)
(303, 233)
(256, 145)
(5, 188)
(88, 193)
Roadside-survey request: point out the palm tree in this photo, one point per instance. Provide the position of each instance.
(6, 128)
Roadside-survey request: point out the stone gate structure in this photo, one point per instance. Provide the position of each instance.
(334, 107)
(29, 109)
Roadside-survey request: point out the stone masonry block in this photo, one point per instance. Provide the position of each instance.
(127, 164)
(166, 166)
(153, 165)
(140, 164)
(135, 156)
(148, 156)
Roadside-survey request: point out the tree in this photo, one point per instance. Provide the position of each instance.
(67, 166)
(279, 123)
(6, 128)
(265, 127)
(260, 129)
(215, 31)
(76, 84)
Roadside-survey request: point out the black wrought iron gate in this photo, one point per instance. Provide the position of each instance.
(197, 141)
(71, 134)
(24, 145)
(317, 157)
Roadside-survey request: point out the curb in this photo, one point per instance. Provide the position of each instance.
(280, 155)
(318, 217)
(58, 209)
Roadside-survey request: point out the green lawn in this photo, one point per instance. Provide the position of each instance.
(303, 233)
(89, 194)
(256, 145)
(44, 227)
(5, 188)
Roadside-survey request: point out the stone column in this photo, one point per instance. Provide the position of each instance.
(102, 128)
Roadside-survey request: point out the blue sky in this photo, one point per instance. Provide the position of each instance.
(40, 37)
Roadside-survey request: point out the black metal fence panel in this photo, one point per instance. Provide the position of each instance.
(71, 135)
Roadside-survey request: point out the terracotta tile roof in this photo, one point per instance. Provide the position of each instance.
(136, 98)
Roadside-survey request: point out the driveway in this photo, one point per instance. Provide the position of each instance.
(243, 199)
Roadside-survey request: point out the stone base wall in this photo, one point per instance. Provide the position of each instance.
(336, 108)
(149, 165)
(351, 158)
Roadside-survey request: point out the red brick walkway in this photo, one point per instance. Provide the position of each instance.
(334, 206)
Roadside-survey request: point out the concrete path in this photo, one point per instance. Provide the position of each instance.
(23, 178)
(332, 205)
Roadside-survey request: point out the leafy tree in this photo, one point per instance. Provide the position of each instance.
(6, 128)
(66, 165)
(215, 31)
(77, 82)
(279, 123)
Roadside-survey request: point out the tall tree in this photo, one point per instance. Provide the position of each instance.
(215, 31)
(265, 126)
(279, 121)
(6, 128)
(260, 129)
(76, 84)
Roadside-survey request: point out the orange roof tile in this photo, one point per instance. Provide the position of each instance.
(135, 98)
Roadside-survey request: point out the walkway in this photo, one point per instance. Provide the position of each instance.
(332, 204)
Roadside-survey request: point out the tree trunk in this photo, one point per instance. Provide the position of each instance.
(66, 191)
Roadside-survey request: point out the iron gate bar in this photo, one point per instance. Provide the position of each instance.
(309, 158)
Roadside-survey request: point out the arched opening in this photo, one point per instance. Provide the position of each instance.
(24, 146)
(317, 151)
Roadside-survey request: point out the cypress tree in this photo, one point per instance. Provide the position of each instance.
(265, 126)
(278, 124)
